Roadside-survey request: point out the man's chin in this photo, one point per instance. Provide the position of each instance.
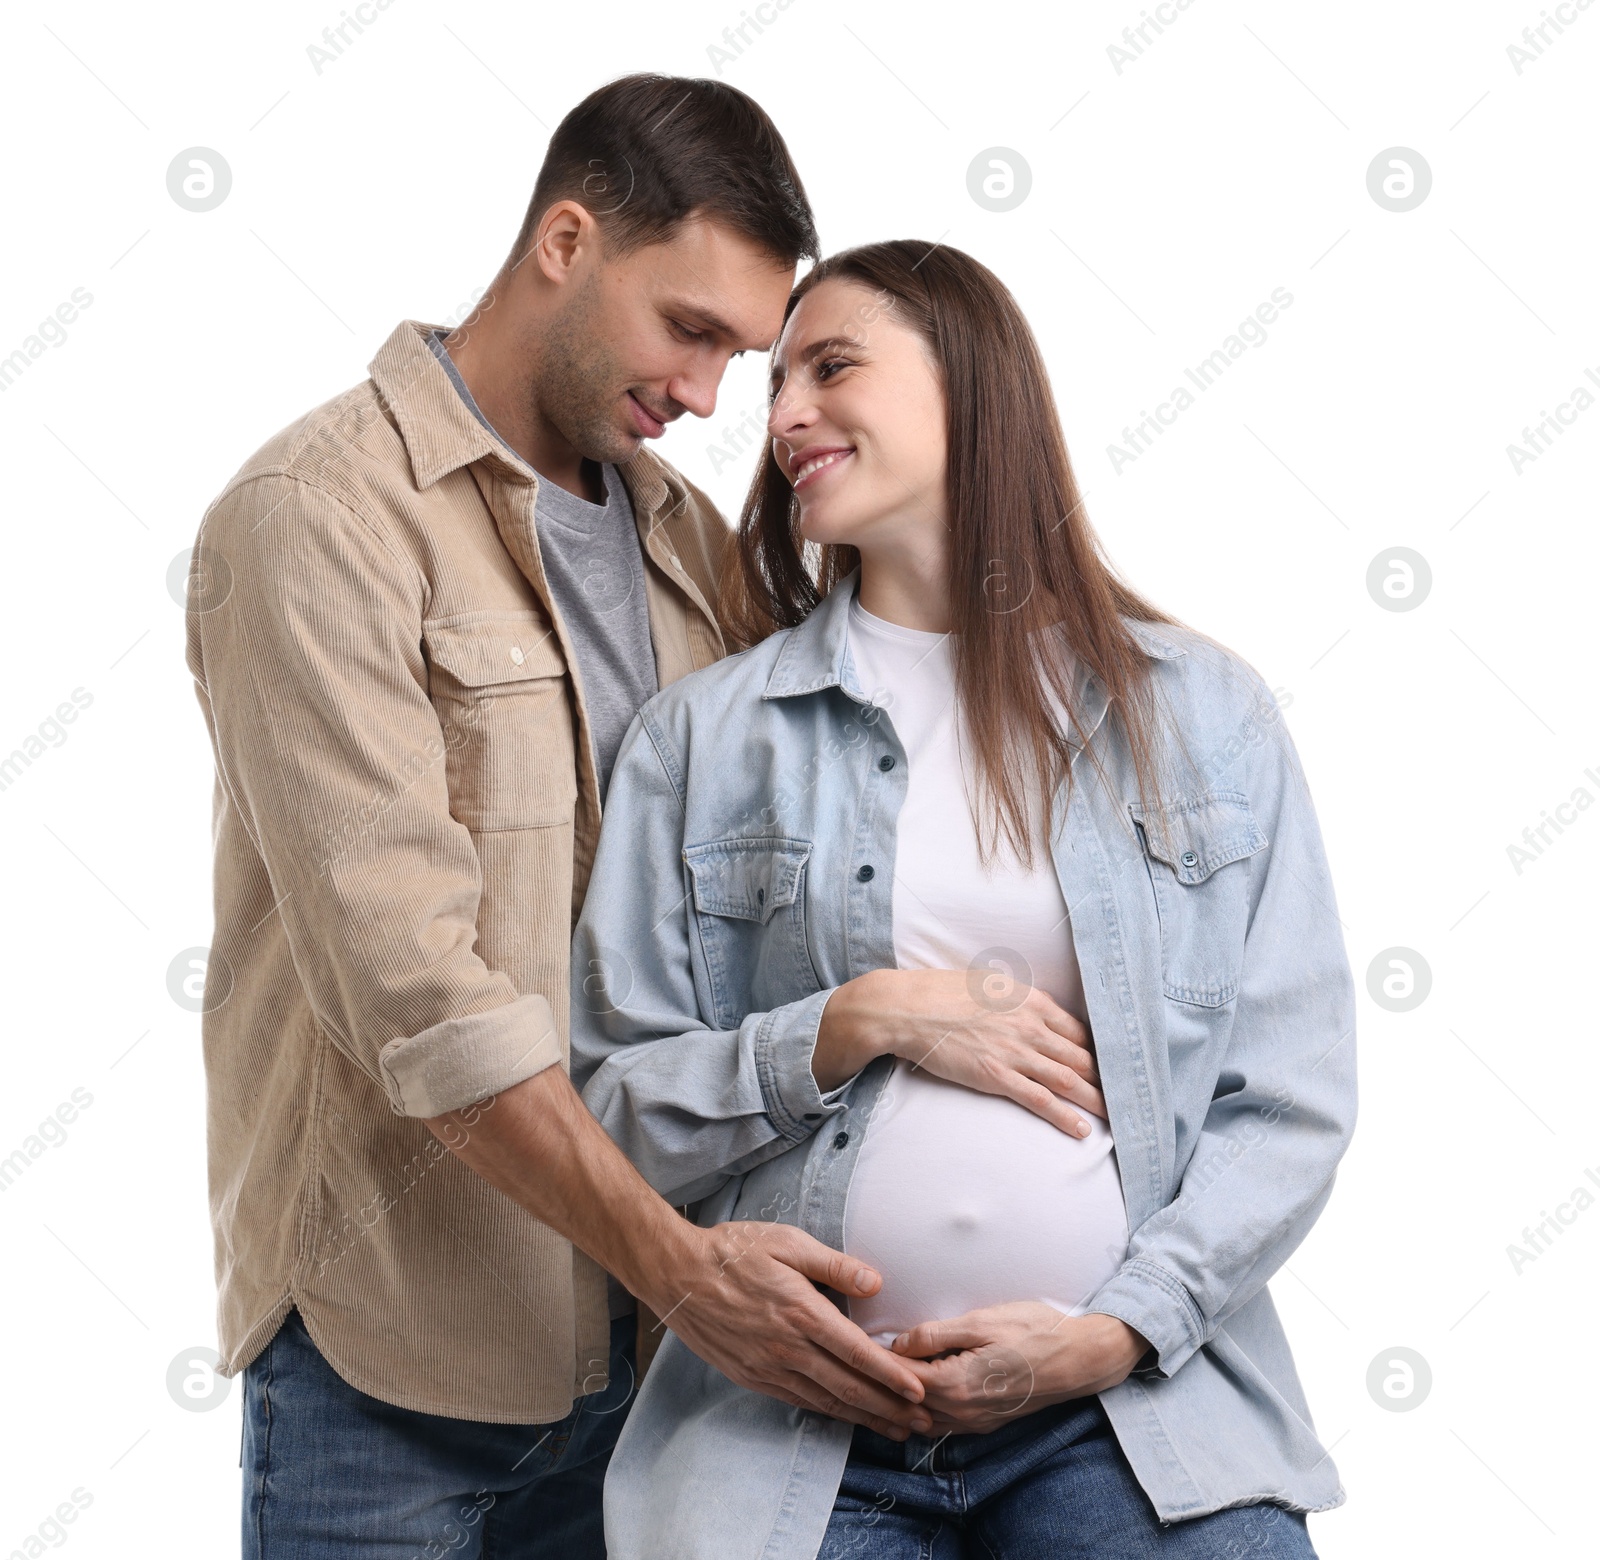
(625, 449)
(606, 446)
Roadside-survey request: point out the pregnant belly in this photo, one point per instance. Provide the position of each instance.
(961, 1200)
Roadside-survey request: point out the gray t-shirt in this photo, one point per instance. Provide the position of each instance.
(595, 569)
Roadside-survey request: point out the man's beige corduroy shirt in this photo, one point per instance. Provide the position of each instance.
(406, 812)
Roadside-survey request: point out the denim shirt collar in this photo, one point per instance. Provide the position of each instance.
(816, 655)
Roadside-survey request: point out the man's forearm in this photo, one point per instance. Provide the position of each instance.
(743, 1297)
(539, 1145)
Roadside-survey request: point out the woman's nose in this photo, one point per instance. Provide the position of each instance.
(790, 413)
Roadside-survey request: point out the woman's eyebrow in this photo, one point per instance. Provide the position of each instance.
(814, 350)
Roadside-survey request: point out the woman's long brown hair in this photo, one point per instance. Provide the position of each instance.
(1022, 552)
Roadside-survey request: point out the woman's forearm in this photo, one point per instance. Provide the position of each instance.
(1022, 1045)
(852, 1032)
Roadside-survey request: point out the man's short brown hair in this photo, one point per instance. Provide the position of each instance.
(644, 152)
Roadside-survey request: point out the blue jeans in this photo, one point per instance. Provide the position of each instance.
(330, 1472)
(1053, 1485)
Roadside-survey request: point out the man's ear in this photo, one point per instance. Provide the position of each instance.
(566, 233)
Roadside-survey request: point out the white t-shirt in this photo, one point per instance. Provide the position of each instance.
(962, 1199)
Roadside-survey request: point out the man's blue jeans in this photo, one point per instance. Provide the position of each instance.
(1053, 1485)
(329, 1471)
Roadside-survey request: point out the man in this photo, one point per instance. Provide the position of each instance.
(421, 619)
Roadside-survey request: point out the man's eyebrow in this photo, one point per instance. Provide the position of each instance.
(814, 350)
(707, 317)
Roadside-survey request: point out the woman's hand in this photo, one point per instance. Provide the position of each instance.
(977, 1028)
(1012, 1359)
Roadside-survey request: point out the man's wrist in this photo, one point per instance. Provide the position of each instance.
(663, 1259)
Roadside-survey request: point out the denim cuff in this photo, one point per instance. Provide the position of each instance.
(785, 1041)
(1157, 1306)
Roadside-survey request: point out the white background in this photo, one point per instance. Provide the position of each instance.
(1230, 158)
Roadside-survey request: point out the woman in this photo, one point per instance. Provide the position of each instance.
(968, 834)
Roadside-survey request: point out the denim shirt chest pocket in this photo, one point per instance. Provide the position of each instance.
(1200, 875)
(750, 913)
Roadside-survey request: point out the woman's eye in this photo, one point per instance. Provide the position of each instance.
(826, 369)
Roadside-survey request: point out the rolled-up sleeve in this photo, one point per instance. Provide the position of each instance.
(690, 1104)
(307, 654)
(1284, 1106)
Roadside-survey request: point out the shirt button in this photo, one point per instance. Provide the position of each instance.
(517, 656)
(866, 874)
(841, 1139)
(1190, 859)
(886, 763)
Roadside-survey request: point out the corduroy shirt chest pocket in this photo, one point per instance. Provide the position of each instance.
(1200, 875)
(498, 681)
(749, 901)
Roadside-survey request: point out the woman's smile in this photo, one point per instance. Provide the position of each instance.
(808, 469)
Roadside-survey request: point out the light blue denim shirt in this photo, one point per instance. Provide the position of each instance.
(745, 870)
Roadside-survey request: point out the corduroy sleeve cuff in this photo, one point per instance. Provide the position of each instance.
(463, 1060)
(1157, 1306)
(784, 1044)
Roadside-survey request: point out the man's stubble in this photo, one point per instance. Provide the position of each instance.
(579, 383)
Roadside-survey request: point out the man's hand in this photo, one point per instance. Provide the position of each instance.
(744, 1302)
(1009, 1360)
(978, 1028)
(739, 1295)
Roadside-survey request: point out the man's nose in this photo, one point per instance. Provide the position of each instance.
(696, 392)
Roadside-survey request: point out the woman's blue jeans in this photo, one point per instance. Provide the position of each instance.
(1054, 1485)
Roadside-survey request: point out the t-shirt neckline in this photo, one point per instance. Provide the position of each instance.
(884, 629)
